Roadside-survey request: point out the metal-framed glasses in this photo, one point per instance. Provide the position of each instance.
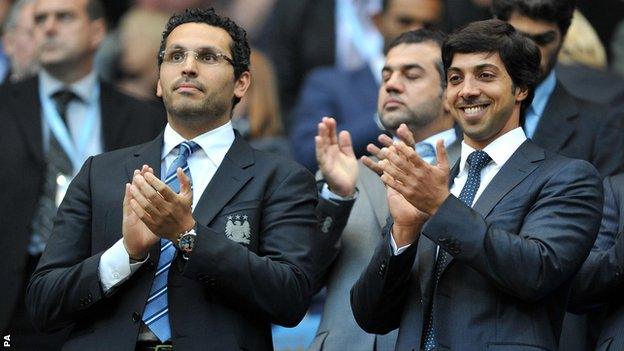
(205, 57)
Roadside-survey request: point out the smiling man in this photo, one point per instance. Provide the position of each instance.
(483, 264)
(193, 241)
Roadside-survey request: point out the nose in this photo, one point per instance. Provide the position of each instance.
(50, 25)
(189, 67)
(469, 88)
(394, 83)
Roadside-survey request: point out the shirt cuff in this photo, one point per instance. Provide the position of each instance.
(397, 250)
(329, 195)
(115, 266)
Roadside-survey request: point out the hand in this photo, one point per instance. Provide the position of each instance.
(425, 186)
(137, 237)
(408, 220)
(403, 133)
(335, 158)
(164, 212)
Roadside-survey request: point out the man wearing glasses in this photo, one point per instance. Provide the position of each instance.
(194, 241)
(556, 120)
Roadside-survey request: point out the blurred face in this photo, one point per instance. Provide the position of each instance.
(410, 92)
(545, 35)
(64, 34)
(20, 46)
(404, 15)
(191, 88)
(482, 98)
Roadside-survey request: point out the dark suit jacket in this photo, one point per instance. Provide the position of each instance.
(224, 297)
(581, 129)
(125, 122)
(598, 285)
(506, 285)
(348, 96)
(587, 83)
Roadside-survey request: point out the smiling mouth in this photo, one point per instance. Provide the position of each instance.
(474, 110)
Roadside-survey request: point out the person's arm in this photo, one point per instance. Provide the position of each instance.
(608, 148)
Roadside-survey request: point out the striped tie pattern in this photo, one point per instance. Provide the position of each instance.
(476, 161)
(156, 313)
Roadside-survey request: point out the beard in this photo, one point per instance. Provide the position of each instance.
(420, 117)
(210, 107)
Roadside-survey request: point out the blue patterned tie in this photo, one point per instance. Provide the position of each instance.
(476, 161)
(156, 313)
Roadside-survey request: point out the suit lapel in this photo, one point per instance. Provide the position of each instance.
(148, 154)
(522, 163)
(232, 174)
(557, 122)
(27, 112)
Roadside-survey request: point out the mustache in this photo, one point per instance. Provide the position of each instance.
(472, 102)
(188, 81)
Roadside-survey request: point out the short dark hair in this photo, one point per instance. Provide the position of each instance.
(553, 11)
(240, 46)
(421, 36)
(520, 55)
(95, 9)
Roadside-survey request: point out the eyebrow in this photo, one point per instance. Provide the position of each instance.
(203, 48)
(477, 67)
(403, 67)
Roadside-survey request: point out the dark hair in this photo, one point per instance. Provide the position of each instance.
(520, 55)
(421, 36)
(553, 11)
(240, 46)
(384, 5)
(95, 9)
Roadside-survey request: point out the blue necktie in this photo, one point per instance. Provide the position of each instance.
(476, 161)
(156, 313)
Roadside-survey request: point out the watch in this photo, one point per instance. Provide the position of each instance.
(186, 242)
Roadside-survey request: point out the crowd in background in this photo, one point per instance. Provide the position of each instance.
(315, 58)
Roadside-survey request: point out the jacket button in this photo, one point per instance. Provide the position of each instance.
(136, 317)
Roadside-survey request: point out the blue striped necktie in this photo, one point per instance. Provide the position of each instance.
(476, 161)
(156, 313)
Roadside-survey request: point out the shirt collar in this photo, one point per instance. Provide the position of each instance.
(500, 150)
(214, 143)
(449, 136)
(83, 88)
(543, 92)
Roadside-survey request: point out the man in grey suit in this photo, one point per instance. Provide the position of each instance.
(409, 106)
(483, 258)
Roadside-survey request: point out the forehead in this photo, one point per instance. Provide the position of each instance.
(424, 54)
(198, 35)
(51, 6)
(478, 60)
(530, 25)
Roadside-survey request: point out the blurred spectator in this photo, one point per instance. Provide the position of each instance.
(350, 96)
(582, 45)
(51, 124)
(170, 7)
(618, 49)
(5, 5)
(251, 15)
(17, 38)
(604, 15)
(140, 32)
(458, 13)
(257, 115)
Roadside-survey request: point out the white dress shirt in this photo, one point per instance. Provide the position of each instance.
(115, 266)
(500, 150)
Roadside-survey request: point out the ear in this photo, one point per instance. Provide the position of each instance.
(158, 89)
(242, 84)
(521, 94)
(98, 32)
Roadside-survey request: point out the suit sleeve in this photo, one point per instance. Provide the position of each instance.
(554, 237)
(603, 271)
(276, 283)
(66, 281)
(378, 296)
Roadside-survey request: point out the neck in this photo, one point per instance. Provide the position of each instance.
(190, 129)
(69, 74)
(438, 125)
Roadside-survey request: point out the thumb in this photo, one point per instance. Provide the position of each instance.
(186, 188)
(442, 156)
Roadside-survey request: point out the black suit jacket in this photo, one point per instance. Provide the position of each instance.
(224, 297)
(597, 288)
(582, 129)
(125, 122)
(513, 257)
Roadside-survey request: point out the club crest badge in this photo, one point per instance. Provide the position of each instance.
(237, 229)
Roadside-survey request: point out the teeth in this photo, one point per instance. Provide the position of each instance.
(475, 109)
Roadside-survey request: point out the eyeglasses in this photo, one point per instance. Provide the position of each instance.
(178, 57)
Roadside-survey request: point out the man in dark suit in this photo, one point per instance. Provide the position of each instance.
(484, 264)
(597, 287)
(99, 118)
(349, 95)
(411, 95)
(556, 120)
(163, 263)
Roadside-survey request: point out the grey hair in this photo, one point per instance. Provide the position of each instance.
(13, 17)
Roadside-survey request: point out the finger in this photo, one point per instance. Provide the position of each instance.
(406, 135)
(142, 201)
(442, 156)
(127, 198)
(331, 128)
(394, 184)
(373, 150)
(396, 167)
(163, 189)
(148, 190)
(410, 154)
(141, 213)
(344, 143)
(372, 165)
(385, 140)
(186, 189)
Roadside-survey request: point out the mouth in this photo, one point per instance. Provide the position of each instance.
(392, 103)
(474, 111)
(186, 87)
